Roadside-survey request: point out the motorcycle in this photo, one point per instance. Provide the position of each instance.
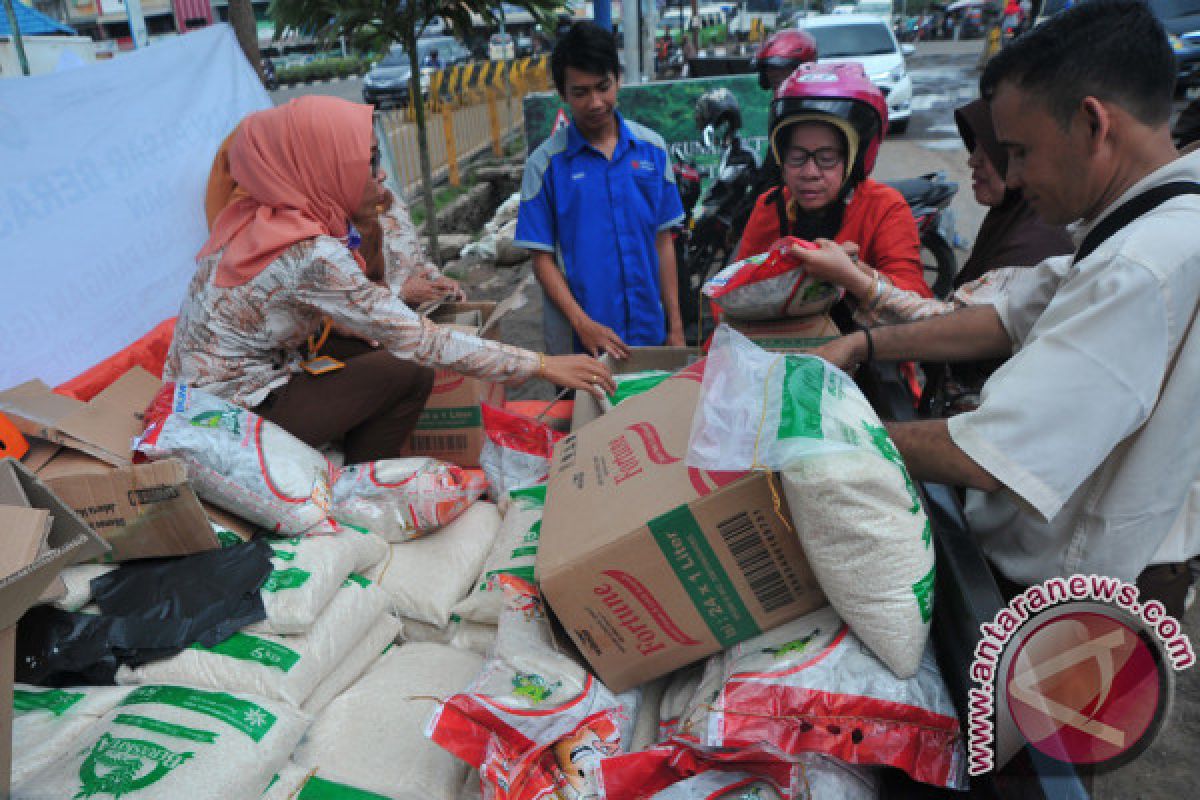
(270, 81)
(713, 228)
(929, 197)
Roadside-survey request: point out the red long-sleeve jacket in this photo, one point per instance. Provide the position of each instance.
(877, 219)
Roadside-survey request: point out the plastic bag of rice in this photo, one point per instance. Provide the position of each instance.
(240, 462)
(534, 717)
(811, 686)
(371, 736)
(284, 668)
(287, 783)
(46, 722)
(171, 742)
(381, 634)
(681, 686)
(770, 285)
(478, 637)
(427, 577)
(854, 506)
(516, 450)
(631, 384)
(402, 498)
(78, 580)
(307, 572)
(514, 553)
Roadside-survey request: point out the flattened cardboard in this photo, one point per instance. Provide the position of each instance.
(39, 536)
(142, 511)
(587, 407)
(651, 565)
(451, 425)
(791, 335)
(103, 428)
(40, 453)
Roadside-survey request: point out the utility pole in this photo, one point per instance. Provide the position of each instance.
(16, 29)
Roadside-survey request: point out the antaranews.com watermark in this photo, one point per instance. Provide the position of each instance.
(1078, 686)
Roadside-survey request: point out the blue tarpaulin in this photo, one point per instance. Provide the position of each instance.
(31, 22)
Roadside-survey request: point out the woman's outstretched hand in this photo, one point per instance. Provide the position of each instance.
(579, 372)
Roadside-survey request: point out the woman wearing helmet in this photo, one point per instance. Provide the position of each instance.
(778, 58)
(825, 125)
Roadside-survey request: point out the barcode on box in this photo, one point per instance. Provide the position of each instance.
(439, 441)
(748, 544)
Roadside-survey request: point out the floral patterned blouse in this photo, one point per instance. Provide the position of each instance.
(893, 306)
(242, 342)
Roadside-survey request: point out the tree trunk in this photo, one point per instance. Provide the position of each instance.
(414, 97)
(241, 17)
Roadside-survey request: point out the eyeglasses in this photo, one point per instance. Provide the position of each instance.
(825, 157)
(376, 160)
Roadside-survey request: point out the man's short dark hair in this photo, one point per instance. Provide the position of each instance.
(1114, 50)
(586, 47)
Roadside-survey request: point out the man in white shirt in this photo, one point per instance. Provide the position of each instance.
(1084, 448)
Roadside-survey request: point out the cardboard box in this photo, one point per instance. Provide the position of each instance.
(39, 536)
(794, 335)
(102, 428)
(451, 426)
(83, 453)
(142, 511)
(650, 564)
(641, 359)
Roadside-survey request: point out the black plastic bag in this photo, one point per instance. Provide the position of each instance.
(150, 610)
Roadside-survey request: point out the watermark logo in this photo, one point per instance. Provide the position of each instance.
(1078, 669)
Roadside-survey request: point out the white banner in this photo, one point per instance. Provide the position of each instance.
(102, 178)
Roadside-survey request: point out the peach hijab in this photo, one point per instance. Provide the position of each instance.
(300, 170)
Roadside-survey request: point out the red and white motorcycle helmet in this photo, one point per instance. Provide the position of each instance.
(841, 95)
(784, 50)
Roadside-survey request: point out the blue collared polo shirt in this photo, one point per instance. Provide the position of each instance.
(600, 218)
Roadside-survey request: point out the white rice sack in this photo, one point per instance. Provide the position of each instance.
(46, 722)
(372, 735)
(403, 498)
(239, 461)
(368, 548)
(417, 631)
(478, 637)
(174, 742)
(78, 580)
(379, 637)
(427, 577)
(284, 668)
(307, 572)
(681, 686)
(645, 724)
(855, 508)
(514, 553)
(516, 451)
(287, 784)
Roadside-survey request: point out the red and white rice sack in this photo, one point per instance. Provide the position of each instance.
(239, 461)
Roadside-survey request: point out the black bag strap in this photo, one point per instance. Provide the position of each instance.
(1144, 203)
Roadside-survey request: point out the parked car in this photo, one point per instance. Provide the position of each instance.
(387, 81)
(501, 47)
(524, 45)
(869, 41)
(1181, 18)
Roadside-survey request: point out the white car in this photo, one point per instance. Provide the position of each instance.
(870, 42)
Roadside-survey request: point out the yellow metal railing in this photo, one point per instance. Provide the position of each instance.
(467, 109)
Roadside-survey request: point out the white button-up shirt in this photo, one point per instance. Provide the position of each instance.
(1091, 425)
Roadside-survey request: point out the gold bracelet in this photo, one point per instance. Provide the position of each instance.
(541, 372)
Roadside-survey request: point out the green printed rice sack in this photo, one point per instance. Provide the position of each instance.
(631, 384)
(379, 637)
(284, 668)
(46, 722)
(514, 553)
(854, 506)
(165, 742)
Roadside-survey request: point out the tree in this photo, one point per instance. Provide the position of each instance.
(377, 24)
(245, 27)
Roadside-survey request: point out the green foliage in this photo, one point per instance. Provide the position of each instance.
(323, 70)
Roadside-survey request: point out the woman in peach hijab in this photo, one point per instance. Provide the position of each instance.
(284, 254)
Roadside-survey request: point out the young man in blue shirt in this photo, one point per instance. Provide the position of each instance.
(598, 200)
